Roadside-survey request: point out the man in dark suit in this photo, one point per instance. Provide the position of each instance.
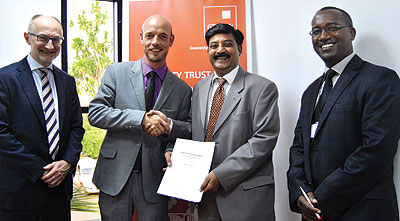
(129, 168)
(40, 130)
(347, 132)
(245, 128)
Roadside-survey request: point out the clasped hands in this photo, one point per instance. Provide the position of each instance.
(155, 123)
(55, 173)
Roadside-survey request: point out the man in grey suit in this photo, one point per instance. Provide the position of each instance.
(240, 185)
(129, 168)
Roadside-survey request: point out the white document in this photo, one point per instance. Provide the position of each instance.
(191, 161)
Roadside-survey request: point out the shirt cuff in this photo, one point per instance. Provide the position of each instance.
(170, 125)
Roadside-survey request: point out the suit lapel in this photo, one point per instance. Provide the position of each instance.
(203, 99)
(61, 95)
(166, 89)
(25, 78)
(309, 106)
(232, 99)
(345, 78)
(136, 77)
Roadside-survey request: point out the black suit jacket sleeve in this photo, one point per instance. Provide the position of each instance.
(296, 174)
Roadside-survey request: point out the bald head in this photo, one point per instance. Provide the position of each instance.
(157, 21)
(39, 21)
(156, 38)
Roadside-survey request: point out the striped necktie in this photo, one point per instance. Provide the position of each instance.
(49, 111)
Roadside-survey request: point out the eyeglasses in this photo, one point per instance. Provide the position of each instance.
(330, 30)
(44, 38)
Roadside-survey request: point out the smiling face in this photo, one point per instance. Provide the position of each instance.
(44, 53)
(332, 47)
(223, 53)
(156, 38)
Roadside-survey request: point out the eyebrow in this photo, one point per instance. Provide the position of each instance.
(328, 24)
(228, 40)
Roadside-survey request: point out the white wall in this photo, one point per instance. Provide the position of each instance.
(282, 52)
(14, 18)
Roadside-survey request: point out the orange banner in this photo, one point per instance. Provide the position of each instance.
(187, 58)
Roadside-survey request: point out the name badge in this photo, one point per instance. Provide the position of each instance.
(313, 129)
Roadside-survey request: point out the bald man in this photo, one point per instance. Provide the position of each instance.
(129, 167)
(40, 130)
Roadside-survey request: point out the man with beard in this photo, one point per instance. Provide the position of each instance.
(347, 132)
(239, 112)
(129, 167)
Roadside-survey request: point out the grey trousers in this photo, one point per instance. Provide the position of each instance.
(131, 197)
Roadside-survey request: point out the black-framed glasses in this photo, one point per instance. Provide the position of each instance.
(316, 32)
(44, 38)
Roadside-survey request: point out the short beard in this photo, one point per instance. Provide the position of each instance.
(154, 59)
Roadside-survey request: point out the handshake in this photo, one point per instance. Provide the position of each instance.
(156, 123)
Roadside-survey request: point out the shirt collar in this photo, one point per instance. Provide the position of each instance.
(146, 68)
(339, 67)
(229, 76)
(33, 64)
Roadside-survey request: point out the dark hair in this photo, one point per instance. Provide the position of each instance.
(225, 29)
(346, 16)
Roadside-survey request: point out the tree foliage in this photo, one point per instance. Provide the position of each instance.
(92, 52)
(92, 140)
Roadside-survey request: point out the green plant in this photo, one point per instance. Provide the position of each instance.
(92, 139)
(83, 201)
(93, 54)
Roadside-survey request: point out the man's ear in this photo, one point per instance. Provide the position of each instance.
(141, 38)
(26, 36)
(172, 38)
(353, 33)
(240, 49)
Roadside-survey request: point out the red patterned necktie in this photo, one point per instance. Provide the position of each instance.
(217, 102)
(50, 115)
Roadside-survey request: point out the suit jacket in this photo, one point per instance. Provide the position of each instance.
(119, 107)
(349, 163)
(245, 136)
(23, 137)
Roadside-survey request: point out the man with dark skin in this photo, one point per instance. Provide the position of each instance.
(347, 132)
